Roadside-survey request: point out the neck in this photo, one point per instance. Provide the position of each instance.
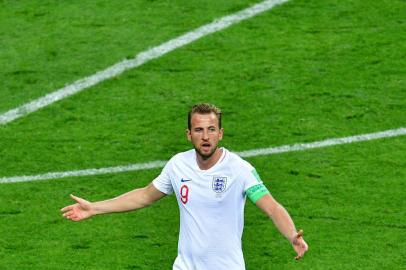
(207, 163)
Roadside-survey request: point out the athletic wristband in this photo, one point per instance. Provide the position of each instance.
(257, 192)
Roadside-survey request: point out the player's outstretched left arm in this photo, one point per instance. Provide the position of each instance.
(284, 223)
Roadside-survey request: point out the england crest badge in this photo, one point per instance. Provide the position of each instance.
(219, 184)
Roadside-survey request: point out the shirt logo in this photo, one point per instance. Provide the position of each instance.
(219, 184)
(185, 180)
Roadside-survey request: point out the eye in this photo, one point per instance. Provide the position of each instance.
(212, 129)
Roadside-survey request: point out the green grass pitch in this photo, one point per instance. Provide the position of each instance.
(301, 72)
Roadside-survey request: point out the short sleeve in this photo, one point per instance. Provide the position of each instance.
(163, 181)
(249, 176)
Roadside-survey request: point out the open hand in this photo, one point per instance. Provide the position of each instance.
(79, 211)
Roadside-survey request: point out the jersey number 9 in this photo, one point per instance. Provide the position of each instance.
(184, 194)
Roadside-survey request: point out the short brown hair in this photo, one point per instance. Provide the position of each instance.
(203, 108)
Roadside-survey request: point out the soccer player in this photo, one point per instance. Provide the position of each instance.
(211, 185)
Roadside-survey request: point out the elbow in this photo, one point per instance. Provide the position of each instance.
(145, 199)
(144, 203)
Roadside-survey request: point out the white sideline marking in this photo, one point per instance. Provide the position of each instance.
(245, 154)
(56, 175)
(324, 143)
(139, 60)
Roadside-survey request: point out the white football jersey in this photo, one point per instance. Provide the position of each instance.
(211, 204)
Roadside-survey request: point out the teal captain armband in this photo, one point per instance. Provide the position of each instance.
(257, 192)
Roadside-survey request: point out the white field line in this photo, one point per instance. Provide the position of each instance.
(139, 60)
(245, 154)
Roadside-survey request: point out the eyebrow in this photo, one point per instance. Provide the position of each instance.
(203, 127)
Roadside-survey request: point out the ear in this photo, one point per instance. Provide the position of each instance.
(188, 134)
(221, 132)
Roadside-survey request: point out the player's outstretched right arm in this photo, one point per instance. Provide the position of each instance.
(133, 200)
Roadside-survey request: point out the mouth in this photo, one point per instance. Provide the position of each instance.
(206, 146)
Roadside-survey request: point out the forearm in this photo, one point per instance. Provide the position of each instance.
(129, 201)
(283, 222)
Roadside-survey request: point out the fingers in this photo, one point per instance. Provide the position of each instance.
(72, 215)
(67, 208)
(68, 212)
(299, 235)
(300, 245)
(70, 207)
(301, 252)
(77, 199)
(75, 212)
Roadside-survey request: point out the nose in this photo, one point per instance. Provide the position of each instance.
(205, 135)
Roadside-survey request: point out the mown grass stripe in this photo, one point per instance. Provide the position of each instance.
(139, 60)
(245, 154)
